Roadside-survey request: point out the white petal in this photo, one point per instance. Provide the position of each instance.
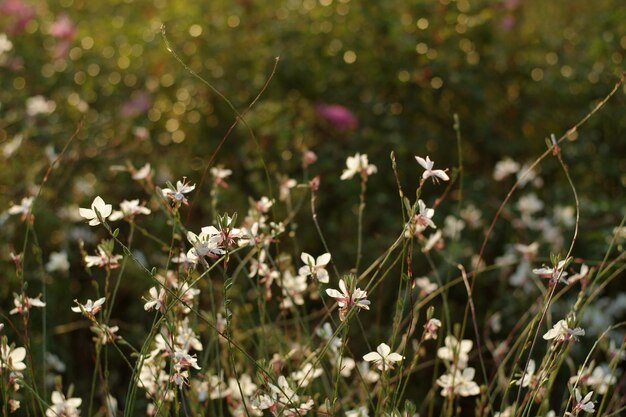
(334, 293)
(322, 276)
(372, 356)
(323, 259)
(383, 349)
(422, 162)
(394, 357)
(86, 213)
(342, 287)
(307, 259)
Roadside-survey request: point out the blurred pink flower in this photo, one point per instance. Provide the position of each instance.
(21, 13)
(340, 117)
(63, 28)
(138, 104)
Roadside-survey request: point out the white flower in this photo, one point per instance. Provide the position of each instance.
(182, 359)
(129, 209)
(383, 357)
(142, 173)
(347, 300)
(453, 227)
(39, 105)
(23, 208)
(63, 407)
(358, 164)
(455, 352)
(292, 288)
(306, 375)
(105, 334)
(98, 207)
(12, 145)
(458, 382)
(584, 271)
(12, 358)
(5, 44)
(505, 168)
(430, 328)
(178, 195)
(23, 303)
(528, 375)
(554, 274)
(362, 411)
(58, 262)
(103, 259)
(426, 286)
(204, 244)
(600, 379)
(561, 332)
(315, 267)
(583, 404)
(155, 301)
(90, 307)
(422, 220)
(429, 172)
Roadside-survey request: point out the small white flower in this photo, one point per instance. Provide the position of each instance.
(561, 332)
(554, 274)
(430, 329)
(5, 44)
(422, 219)
(155, 301)
(63, 407)
(426, 286)
(23, 208)
(142, 173)
(24, 303)
(128, 210)
(39, 105)
(90, 307)
(98, 207)
(306, 374)
(504, 168)
(12, 358)
(58, 262)
(383, 358)
(358, 164)
(600, 379)
(460, 383)
(178, 195)
(528, 375)
(315, 267)
(455, 352)
(583, 404)
(429, 172)
(346, 300)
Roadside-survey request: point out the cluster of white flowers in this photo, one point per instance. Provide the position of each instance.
(460, 379)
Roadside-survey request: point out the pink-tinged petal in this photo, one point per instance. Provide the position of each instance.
(322, 276)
